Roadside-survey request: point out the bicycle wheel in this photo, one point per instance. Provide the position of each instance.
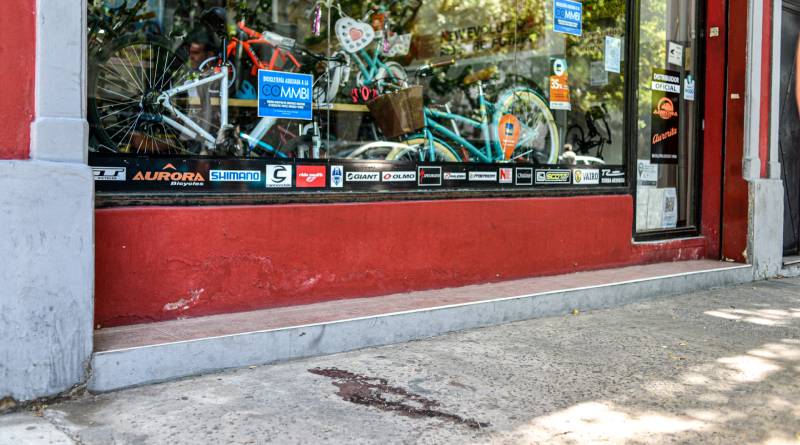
(124, 114)
(393, 73)
(538, 141)
(212, 65)
(418, 144)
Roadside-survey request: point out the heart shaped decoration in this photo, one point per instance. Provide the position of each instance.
(356, 34)
(353, 35)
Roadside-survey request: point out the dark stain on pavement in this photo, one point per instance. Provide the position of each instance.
(376, 392)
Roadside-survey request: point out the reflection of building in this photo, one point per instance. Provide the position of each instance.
(71, 265)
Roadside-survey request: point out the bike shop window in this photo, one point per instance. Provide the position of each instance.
(667, 167)
(536, 82)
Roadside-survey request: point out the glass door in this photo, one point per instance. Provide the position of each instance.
(668, 103)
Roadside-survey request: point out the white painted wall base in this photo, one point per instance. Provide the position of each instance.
(46, 277)
(766, 227)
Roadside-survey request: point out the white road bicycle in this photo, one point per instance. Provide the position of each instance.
(145, 99)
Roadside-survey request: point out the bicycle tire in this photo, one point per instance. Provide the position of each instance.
(442, 152)
(124, 81)
(208, 65)
(532, 111)
(394, 70)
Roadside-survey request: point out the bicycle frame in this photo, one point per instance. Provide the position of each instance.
(189, 128)
(431, 126)
(373, 64)
(279, 57)
(194, 130)
(490, 152)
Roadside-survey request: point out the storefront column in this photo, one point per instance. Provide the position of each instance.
(765, 237)
(46, 211)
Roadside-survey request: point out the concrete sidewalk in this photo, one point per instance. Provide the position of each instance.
(719, 366)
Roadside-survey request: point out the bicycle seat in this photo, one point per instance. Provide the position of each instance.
(217, 20)
(481, 75)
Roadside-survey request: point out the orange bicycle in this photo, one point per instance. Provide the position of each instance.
(262, 50)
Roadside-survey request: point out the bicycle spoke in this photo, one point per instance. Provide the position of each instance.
(116, 104)
(139, 68)
(118, 111)
(122, 87)
(130, 74)
(178, 149)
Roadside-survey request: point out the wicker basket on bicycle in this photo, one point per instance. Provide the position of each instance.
(399, 112)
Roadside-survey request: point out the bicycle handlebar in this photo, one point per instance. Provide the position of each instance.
(426, 69)
(441, 64)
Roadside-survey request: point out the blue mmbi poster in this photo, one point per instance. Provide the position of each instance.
(284, 95)
(567, 16)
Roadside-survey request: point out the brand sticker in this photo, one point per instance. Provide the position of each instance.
(483, 176)
(398, 176)
(524, 176)
(109, 173)
(506, 175)
(362, 176)
(234, 175)
(455, 176)
(612, 176)
(171, 174)
(431, 176)
(310, 176)
(585, 176)
(279, 176)
(552, 176)
(337, 176)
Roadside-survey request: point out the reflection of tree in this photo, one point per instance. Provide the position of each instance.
(601, 18)
(652, 51)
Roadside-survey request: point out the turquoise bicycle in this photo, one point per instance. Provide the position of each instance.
(356, 38)
(517, 127)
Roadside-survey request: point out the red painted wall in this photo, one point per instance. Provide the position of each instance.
(163, 263)
(714, 130)
(18, 53)
(735, 195)
(160, 263)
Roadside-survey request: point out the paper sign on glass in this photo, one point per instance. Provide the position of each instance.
(675, 54)
(598, 76)
(613, 54)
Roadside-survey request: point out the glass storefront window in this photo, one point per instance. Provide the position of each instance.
(502, 81)
(519, 93)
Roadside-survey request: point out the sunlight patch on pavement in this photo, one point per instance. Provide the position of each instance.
(763, 317)
(602, 422)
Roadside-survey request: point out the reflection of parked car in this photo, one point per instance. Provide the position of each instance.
(588, 160)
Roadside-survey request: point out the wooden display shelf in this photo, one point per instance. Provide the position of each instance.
(253, 103)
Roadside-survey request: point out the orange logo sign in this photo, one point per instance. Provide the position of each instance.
(665, 109)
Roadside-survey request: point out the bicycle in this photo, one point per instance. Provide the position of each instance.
(146, 99)
(529, 132)
(355, 37)
(596, 140)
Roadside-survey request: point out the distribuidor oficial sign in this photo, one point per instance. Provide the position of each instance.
(666, 93)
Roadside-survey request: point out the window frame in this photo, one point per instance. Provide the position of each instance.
(693, 229)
